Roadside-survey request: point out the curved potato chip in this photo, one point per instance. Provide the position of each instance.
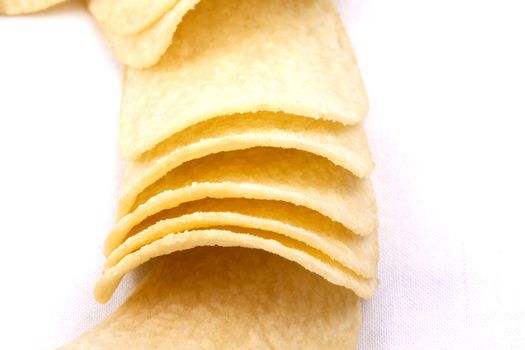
(17, 7)
(311, 259)
(229, 298)
(129, 16)
(241, 56)
(146, 47)
(354, 252)
(292, 176)
(343, 145)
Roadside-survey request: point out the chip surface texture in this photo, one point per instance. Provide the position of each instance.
(230, 298)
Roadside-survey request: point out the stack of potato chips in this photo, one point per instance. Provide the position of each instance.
(240, 124)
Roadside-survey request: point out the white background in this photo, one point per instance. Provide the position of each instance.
(446, 81)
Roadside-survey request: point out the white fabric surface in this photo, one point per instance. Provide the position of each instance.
(446, 81)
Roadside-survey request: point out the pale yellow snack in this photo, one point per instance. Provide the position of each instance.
(311, 259)
(357, 253)
(146, 47)
(229, 298)
(293, 176)
(129, 16)
(343, 145)
(242, 56)
(17, 7)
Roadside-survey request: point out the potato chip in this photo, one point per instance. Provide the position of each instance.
(17, 7)
(243, 56)
(129, 16)
(293, 250)
(343, 145)
(146, 47)
(354, 252)
(230, 298)
(293, 176)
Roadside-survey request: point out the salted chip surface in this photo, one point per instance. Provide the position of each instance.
(293, 176)
(243, 56)
(129, 16)
(358, 253)
(230, 298)
(231, 236)
(345, 146)
(16, 7)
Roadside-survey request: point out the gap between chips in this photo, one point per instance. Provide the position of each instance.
(311, 259)
(293, 176)
(345, 146)
(354, 252)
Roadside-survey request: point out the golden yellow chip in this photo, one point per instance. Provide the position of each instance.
(243, 56)
(343, 145)
(264, 173)
(230, 298)
(310, 258)
(17, 7)
(129, 16)
(357, 253)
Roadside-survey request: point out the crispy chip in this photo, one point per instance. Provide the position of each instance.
(146, 47)
(230, 298)
(129, 16)
(344, 146)
(17, 7)
(242, 56)
(311, 259)
(293, 176)
(354, 252)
